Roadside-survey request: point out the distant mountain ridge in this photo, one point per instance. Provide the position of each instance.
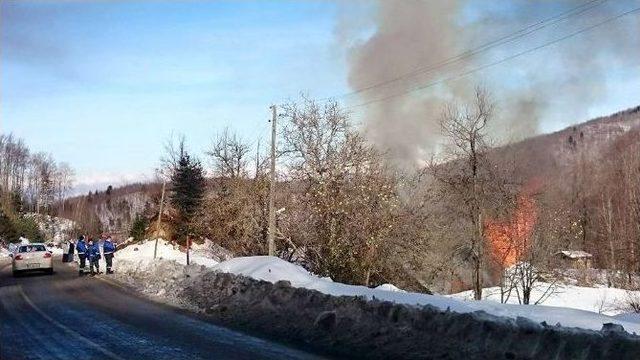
(558, 150)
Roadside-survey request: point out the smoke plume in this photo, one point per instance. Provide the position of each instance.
(560, 83)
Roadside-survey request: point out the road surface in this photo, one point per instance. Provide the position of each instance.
(62, 316)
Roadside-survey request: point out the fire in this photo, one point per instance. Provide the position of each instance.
(510, 240)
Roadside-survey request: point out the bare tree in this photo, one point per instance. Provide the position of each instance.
(465, 173)
(174, 150)
(234, 210)
(229, 155)
(64, 178)
(344, 197)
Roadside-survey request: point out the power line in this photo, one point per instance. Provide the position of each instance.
(503, 60)
(529, 29)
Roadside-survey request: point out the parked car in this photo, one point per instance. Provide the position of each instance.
(32, 257)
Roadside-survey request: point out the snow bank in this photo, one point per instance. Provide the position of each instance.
(273, 269)
(354, 327)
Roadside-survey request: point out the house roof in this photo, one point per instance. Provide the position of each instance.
(575, 254)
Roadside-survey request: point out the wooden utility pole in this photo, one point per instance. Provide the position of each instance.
(188, 247)
(159, 223)
(257, 159)
(272, 183)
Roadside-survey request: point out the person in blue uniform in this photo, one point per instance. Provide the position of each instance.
(108, 248)
(81, 248)
(93, 254)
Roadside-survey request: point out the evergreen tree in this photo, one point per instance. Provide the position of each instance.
(8, 230)
(28, 228)
(138, 228)
(188, 185)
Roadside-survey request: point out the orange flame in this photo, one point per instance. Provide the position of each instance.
(510, 240)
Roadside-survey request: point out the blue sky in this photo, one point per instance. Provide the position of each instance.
(102, 84)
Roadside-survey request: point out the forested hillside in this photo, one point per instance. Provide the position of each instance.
(345, 212)
(30, 182)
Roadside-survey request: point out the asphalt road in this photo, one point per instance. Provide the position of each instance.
(62, 316)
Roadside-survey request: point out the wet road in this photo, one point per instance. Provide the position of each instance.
(62, 316)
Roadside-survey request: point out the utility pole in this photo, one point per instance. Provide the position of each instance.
(159, 223)
(272, 183)
(188, 247)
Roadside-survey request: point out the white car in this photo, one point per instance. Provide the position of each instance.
(32, 257)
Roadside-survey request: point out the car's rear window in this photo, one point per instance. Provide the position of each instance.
(31, 248)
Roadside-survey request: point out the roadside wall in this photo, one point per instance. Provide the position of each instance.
(356, 328)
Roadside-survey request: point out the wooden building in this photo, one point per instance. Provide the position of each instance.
(575, 259)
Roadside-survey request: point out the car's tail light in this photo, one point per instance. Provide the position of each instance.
(18, 257)
(47, 255)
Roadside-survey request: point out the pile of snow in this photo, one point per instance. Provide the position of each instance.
(142, 253)
(208, 249)
(389, 287)
(603, 300)
(273, 269)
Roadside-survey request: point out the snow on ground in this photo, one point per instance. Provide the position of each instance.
(629, 317)
(389, 287)
(273, 269)
(4, 252)
(604, 300)
(210, 250)
(142, 253)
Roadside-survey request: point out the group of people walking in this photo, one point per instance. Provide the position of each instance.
(89, 251)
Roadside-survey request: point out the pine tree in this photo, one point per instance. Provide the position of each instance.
(138, 228)
(8, 231)
(188, 185)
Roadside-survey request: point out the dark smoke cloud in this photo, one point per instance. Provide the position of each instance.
(559, 84)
